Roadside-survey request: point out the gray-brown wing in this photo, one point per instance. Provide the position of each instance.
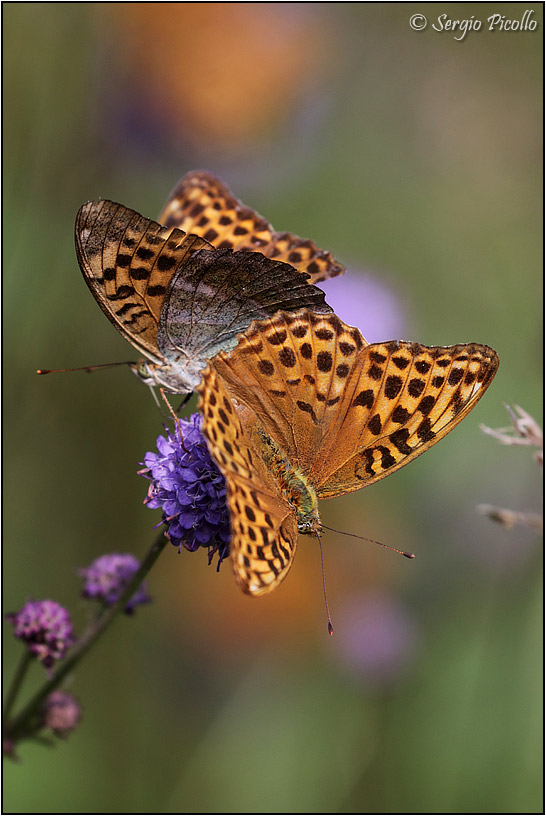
(216, 294)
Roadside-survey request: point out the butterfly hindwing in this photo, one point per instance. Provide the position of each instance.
(263, 525)
(217, 293)
(201, 204)
(292, 372)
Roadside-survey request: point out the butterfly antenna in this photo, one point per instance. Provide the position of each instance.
(372, 540)
(330, 627)
(156, 400)
(89, 369)
(175, 417)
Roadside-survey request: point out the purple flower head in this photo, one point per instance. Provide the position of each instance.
(190, 489)
(61, 713)
(46, 628)
(107, 577)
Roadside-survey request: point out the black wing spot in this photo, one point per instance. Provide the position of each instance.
(455, 376)
(400, 440)
(400, 415)
(426, 405)
(287, 357)
(377, 357)
(375, 425)
(416, 387)
(277, 337)
(324, 361)
(266, 367)
(165, 263)
(365, 398)
(308, 409)
(144, 253)
(393, 386)
(401, 362)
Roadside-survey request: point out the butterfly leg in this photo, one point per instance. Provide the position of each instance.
(174, 415)
(187, 398)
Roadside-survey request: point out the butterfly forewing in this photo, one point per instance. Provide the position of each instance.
(263, 526)
(347, 413)
(128, 262)
(201, 204)
(404, 398)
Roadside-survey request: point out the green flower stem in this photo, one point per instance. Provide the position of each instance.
(17, 682)
(19, 727)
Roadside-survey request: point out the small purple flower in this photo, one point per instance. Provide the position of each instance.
(362, 300)
(187, 484)
(107, 577)
(61, 713)
(46, 628)
(377, 637)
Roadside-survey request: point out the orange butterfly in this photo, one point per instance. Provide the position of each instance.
(304, 409)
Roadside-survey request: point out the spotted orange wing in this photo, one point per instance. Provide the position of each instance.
(263, 525)
(128, 262)
(201, 204)
(347, 413)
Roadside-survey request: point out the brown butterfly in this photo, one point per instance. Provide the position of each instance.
(304, 409)
(177, 297)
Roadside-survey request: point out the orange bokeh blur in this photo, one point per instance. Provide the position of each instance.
(219, 74)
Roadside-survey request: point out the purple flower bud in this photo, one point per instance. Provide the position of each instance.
(187, 484)
(107, 577)
(8, 748)
(46, 628)
(62, 713)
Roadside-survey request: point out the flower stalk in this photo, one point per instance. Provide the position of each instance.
(23, 724)
(17, 682)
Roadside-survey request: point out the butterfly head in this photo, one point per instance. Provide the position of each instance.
(164, 376)
(309, 521)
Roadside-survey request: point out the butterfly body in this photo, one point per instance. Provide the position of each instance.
(293, 485)
(304, 409)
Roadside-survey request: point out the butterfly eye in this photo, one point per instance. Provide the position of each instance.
(143, 370)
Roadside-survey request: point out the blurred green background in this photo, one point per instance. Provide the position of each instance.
(416, 159)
